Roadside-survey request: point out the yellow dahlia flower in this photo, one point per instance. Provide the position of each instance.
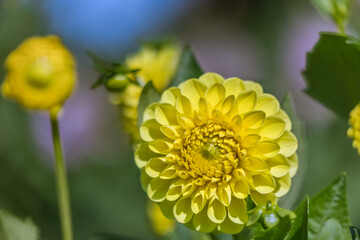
(40, 73)
(156, 65)
(160, 223)
(211, 143)
(354, 130)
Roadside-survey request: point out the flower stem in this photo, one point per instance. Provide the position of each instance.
(61, 181)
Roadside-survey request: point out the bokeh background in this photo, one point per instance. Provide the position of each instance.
(262, 40)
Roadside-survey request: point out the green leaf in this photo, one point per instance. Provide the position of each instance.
(328, 210)
(148, 95)
(277, 232)
(298, 129)
(299, 228)
(188, 67)
(13, 228)
(333, 73)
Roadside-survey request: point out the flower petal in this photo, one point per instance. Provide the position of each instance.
(282, 185)
(278, 165)
(157, 189)
(234, 86)
(240, 189)
(262, 199)
(268, 104)
(246, 101)
(175, 189)
(229, 227)
(268, 149)
(170, 95)
(238, 211)
(165, 114)
(263, 183)
(198, 200)
(293, 160)
(202, 222)
(183, 105)
(215, 94)
(143, 154)
(150, 130)
(210, 79)
(161, 146)
(288, 144)
(253, 120)
(182, 210)
(172, 131)
(216, 211)
(249, 85)
(155, 166)
(273, 128)
(193, 89)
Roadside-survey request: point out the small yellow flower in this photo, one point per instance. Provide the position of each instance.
(40, 73)
(354, 130)
(211, 143)
(156, 65)
(160, 223)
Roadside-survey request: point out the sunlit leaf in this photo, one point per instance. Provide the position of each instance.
(329, 211)
(299, 228)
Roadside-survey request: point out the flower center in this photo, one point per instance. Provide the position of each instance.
(40, 72)
(210, 152)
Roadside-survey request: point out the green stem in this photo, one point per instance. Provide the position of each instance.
(61, 181)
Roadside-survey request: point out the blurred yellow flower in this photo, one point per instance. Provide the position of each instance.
(40, 73)
(160, 223)
(155, 64)
(354, 130)
(211, 143)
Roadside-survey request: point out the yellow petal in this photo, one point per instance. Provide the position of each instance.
(268, 104)
(167, 208)
(186, 123)
(198, 200)
(189, 187)
(293, 160)
(240, 189)
(170, 95)
(183, 105)
(150, 112)
(230, 227)
(193, 90)
(155, 166)
(263, 183)
(253, 120)
(211, 189)
(170, 172)
(150, 130)
(165, 114)
(228, 107)
(143, 154)
(215, 94)
(234, 86)
(282, 185)
(216, 211)
(255, 164)
(246, 101)
(172, 131)
(210, 79)
(202, 222)
(278, 165)
(273, 128)
(161, 146)
(250, 85)
(262, 199)
(157, 189)
(238, 211)
(182, 210)
(288, 144)
(204, 108)
(145, 180)
(224, 192)
(268, 148)
(283, 115)
(250, 140)
(175, 189)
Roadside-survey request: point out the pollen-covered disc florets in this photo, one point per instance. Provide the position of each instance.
(40, 73)
(354, 130)
(211, 143)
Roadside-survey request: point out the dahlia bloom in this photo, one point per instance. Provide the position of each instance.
(156, 65)
(40, 73)
(354, 130)
(210, 144)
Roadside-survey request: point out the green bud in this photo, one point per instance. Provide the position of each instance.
(255, 215)
(270, 219)
(117, 82)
